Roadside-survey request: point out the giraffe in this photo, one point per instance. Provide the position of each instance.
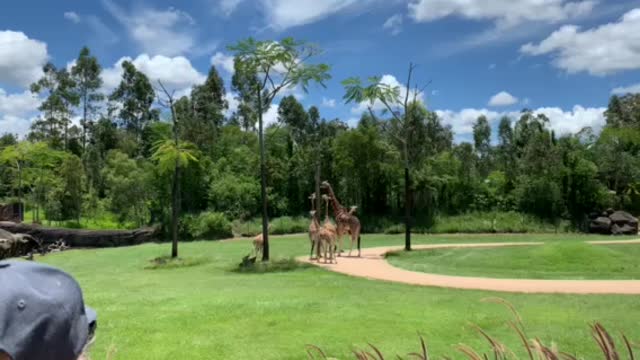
(258, 243)
(327, 221)
(347, 222)
(314, 227)
(325, 239)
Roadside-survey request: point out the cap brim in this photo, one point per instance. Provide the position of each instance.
(92, 318)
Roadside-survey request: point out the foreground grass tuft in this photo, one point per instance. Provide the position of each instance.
(167, 262)
(255, 266)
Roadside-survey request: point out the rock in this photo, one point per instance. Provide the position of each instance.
(600, 225)
(609, 211)
(624, 230)
(623, 217)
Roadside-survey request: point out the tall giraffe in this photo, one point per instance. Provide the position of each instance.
(327, 221)
(347, 222)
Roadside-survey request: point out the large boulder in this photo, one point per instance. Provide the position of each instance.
(600, 225)
(614, 222)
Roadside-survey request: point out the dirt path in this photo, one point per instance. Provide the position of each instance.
(373, 265)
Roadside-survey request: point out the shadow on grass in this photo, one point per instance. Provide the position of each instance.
(251, 266)
(167, 262)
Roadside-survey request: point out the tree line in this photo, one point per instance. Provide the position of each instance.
(147, 157)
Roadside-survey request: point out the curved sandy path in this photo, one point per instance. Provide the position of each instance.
(373, 265)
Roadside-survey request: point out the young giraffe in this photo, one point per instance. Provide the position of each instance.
(347, 222)
(314, 227)
(258, 243)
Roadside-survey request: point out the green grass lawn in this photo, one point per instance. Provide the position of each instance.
(209, 311)
(554, 260)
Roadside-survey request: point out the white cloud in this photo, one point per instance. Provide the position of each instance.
(504, 13)
(284, 14)
(14, 124)
(176, 73)
(16, 111)
(330, 103)
(227, 7)
(72, 16)
(603, 50)
(561, 121)
(21, 58)
(377, 105)
(223, 61)
(271, 116)
(462, 121)
(394, 24)
(503, 98)
(233, 103)
(622, 90)
(18, 104)
(166, 32)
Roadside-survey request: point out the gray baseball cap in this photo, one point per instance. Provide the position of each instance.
(42, 313)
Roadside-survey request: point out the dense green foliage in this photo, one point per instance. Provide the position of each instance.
(557, 260)
(203, 308)
(122, 161)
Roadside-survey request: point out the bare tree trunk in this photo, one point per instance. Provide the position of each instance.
(263, 185)
(407, 209)
(175, 210)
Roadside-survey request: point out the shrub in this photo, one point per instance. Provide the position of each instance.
(279, 226)
(207, 226)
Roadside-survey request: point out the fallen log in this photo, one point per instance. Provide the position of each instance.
(83, 238)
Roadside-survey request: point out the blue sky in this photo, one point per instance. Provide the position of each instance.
(494, 57)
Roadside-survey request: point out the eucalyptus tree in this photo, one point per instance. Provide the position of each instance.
(86, 73)
(402, 127)
(61, 96)
(274, 66)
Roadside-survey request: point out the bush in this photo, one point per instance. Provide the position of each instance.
(492, 222)
(207, 226)
(279, 226)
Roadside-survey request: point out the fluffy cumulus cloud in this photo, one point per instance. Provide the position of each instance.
(271, 116)
(561, 121)
(394, 24)
(503, 98)
(21, 58)
(603, 50)
(622, 90)
(377, 105)
(167, 32)
(224, 61)
(17, 110)
(176, 73)
(505, 13)
(72, 16)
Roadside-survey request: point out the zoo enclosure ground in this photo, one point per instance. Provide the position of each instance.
(209, 311)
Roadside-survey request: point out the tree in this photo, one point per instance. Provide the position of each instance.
(399, 107)
(136, 96)
(208, 105)
(482, 144)
(276, 66)
(127, 188)
(72, 175)
(171, 155)
(61, 97)
(86, 74)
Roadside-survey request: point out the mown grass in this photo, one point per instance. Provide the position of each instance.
(211, 311)
(557, 260)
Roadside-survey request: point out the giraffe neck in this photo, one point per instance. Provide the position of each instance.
(326, 210)
(337, 208)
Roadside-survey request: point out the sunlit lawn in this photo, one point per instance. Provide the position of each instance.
(209, 311)
(554, 260)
